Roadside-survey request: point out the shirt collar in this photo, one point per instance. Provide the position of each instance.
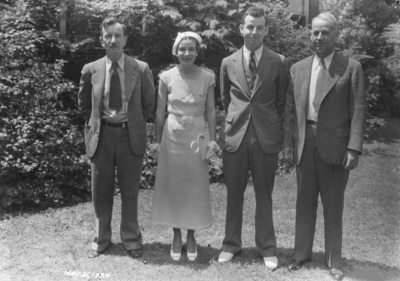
(120, 61)
(257, 53)
(327, 60)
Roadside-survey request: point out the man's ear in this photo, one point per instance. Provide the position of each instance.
(241, 28)
(337, 34)
(101, 41)
(266, 30)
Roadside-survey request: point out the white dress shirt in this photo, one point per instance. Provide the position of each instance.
(257, 55)
(315, 68)
(108, 113)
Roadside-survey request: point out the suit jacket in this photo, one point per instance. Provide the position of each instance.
(342, 111)
(140, 92)
(264, 105)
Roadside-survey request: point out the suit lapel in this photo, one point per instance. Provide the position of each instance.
(302, 98)
(264, 67)
(131, 75)
(98, 82)
(239, 72)
(335, 71)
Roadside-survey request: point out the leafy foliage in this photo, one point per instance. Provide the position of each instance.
(368, 34)
(39, 145)
(392, 36)
(392, 33)
(152, 26)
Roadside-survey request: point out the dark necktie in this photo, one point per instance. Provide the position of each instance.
(252, 63)
(115, 101)
(321, 81)
(253, 68)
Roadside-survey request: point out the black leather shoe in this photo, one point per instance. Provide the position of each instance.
(336, 274)
(93, 254)
(296, 265)
(135, 253)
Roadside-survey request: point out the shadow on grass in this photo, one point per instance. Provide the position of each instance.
(357, 269)
(158, 254)
(352, 268)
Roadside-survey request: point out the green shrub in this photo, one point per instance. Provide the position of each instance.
(39, 145)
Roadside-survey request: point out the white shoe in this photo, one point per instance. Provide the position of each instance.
(225, 257)
(192, 256)
(271, 262)
(176, 256)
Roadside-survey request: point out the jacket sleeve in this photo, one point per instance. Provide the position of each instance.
(289, 114)
(357, 108)
(85, 93)
(281, 87)
(147, 91)
(225, 86)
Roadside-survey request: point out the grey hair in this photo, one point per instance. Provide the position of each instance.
(327, 16)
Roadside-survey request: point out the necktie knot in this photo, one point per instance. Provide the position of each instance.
(114, 66)
(252, 63)
(323, 63)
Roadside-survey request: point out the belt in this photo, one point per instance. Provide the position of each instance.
(311, 122)
(114, 124)
(187, 119)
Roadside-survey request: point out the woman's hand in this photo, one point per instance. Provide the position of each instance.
(213, 147)
(154, 150)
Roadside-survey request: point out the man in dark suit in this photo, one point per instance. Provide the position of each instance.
(324, 129)
(254, 82)
(116, 95)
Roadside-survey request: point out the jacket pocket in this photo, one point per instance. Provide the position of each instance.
(343, 132)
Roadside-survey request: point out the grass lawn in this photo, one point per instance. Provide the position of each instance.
(53, 245)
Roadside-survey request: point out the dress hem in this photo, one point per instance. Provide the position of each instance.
(181, 226)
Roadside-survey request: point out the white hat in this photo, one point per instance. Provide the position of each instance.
(182, 35)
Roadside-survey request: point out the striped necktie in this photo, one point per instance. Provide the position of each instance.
(252, 63)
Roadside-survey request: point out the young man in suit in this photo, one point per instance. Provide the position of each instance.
(324, 129)
(116, 95)
(254, 83)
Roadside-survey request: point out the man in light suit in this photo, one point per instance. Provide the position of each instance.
(254, 82)
(116, 95)
(324, 129)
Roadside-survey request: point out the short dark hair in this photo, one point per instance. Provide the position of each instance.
(110, 21)
(256, 13)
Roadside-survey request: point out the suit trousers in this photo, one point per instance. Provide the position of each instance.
(316, 177)
(114, 150)
(236, 170)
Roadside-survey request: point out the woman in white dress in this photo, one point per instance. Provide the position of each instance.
(184, 142)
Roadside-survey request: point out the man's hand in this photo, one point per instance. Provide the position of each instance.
(350, 160)
(288, 154)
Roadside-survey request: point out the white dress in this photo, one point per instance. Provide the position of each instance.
(181, 194)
